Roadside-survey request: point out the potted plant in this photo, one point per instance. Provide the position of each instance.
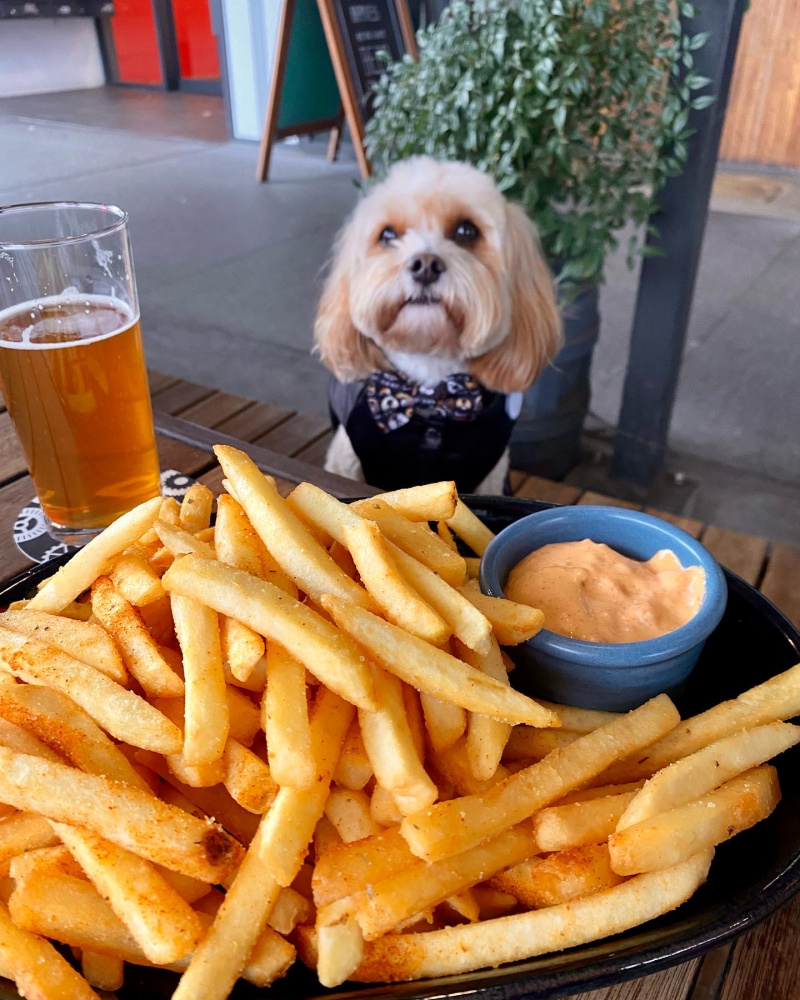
(578, 109)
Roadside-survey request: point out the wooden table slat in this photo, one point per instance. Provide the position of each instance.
(534, 488)
(255, 421)
(742, 554)
(216, 409)
(294, 434)
(315, 452)
(687, 524)
(13, 498)
(782, 580)
(590, 497)
(180, 396)
(670, 984)
(174, 454)
(158, 381)
(766, 961)
(516, 479)
(12, 461)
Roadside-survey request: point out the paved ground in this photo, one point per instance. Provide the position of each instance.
(228, 274)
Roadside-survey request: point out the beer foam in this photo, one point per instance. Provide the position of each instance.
(69, 297)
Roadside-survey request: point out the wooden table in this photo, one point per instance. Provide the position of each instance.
(763, 964)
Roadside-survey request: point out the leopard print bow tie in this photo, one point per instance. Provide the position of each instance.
(393, 399)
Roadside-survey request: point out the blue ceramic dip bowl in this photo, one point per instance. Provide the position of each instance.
(611, 676)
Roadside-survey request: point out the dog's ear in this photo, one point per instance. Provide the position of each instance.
(535, 335)
(349, 354)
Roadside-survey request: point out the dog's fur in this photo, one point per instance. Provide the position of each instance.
(491, 312)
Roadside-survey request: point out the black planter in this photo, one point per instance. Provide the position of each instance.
(547, 437)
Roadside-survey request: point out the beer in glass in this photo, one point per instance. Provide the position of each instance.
(72, 367)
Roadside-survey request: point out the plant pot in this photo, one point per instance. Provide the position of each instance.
(547, 437)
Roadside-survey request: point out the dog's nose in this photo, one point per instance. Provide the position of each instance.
(426, 268)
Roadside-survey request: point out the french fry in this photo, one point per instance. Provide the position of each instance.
(559, 877)
(291, 909)
(348, 869)
(383, 807)
(349, 813)
(470, 528)
(141, 823)
(432, 502)
(158, 619)
(452, 827)
(512, 623)
(166, 932)
(207, 722)
(103, 971)
(446, 535)
(179, 542)
(83, 640)
(473, 564)
(60, 724)
(430, 669)
(196, 508)
(20, 832)
(91, 561)
(139, 651)
(170, 511)
(415, 539)
(21, 741)
(242, 648)
(291, 544)
(670, 837)
(391, 750)
(398, 601)
(579, 720)
(597, 792)
(235, 540)
(353, 769)
(452, 767)
(593, 821)
(775, 700)
(699, 773)
(340, 951)
(487, 737)
(244, 716)
(387, 903)
(330, 656)
(285, 720)
(325, 836)
(45, 861)
(445, 723)
(466, 947)
(121, 713)
(135, 579)
(527, 743)
(272, 861)
(36, 967)
(201, 775)
(71, 910)
(248, 778)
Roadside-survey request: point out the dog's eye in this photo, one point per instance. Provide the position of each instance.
(465, 232)
(388, 233)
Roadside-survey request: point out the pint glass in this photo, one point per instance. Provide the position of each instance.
(72, 368)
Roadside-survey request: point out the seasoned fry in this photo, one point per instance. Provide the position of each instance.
(391, 750)
(348, 869)
(527, 743)
(560, 877)
(330, 656)
(103, 971)
(83, 640)
(432, 502)
(340, 951)
(139, 651)
(432, 670)
(451, 767)
(444, 722)
(589, 822)
(470, 529)
(512, 623)
(291, 908)
(235, 540)
(135, 579)
(36, 967)
(121, 713)
(436, 834)
(244, 715)
(272, 861)
(670, 837)
(487, 737)
(179, 542)
(473, 946)
(141, 823)
(20, 832)
(196, 508)
(699, 773)
(414, 538)
(92, 560)
(446, 535)
(349, 813)
(166, 932)
(383, 807)
(248, 778)
(242, 648)
(21, 741)
(775, 700)
(207, 721)
(285, 720)
(197, 775)
(579, 720)
(353, 769)
(292, 545)
(394, 596)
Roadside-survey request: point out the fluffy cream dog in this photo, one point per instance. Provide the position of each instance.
(437, 313)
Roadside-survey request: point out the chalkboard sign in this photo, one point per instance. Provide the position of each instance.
(369, 28)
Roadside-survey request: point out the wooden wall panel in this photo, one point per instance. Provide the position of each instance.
(763, 119)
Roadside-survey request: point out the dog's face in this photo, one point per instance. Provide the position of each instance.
(434, 261)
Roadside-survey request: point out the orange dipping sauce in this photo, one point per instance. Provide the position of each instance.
(590, 591)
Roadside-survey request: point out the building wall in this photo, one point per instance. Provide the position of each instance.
(37, 56)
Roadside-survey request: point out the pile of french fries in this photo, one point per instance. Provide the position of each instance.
(293, 733)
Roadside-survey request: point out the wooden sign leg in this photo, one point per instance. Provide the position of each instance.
(336, 135)
(275, 90)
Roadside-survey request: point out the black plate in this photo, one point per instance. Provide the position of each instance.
(751, 876)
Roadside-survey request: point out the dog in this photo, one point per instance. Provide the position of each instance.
(437, 313)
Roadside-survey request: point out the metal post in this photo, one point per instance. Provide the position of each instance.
(667, 282)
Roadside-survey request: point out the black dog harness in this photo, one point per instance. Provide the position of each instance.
(407, 434)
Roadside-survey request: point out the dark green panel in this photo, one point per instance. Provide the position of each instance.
(309, 90)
